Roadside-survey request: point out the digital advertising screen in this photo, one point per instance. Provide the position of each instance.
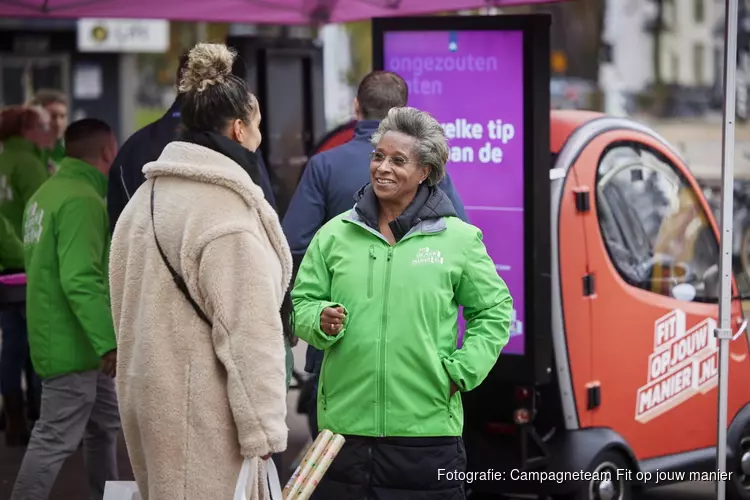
(472, 82)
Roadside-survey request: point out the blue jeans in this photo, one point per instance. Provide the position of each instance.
(14, 355)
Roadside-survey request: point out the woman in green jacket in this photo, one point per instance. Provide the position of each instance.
(378, 290)
(25, 133)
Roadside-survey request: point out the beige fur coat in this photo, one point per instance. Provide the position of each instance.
(193, 400)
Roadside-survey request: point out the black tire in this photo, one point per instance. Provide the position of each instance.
(609, 460)
(738, 487)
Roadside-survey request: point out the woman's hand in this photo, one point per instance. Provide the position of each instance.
(454, 388)
(332, 320)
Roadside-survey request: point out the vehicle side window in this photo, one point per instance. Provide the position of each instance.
(656, 232)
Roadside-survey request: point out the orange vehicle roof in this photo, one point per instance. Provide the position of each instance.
(564, 122)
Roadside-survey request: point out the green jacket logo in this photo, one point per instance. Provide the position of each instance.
(32, 228)
(427, 256)
(6, 193)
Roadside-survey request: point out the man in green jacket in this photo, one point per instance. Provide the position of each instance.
(71, 334)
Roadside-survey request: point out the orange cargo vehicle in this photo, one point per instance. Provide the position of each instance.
(631, 400)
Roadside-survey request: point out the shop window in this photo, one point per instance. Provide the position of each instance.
(655, 230)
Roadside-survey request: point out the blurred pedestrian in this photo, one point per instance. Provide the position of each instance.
(379, 290)
(332, 178)
(146, 145)
(56, 104)
(198, 271)
(71, 335)
(26, 133)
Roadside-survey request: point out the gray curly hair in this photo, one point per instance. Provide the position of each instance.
(431, 147)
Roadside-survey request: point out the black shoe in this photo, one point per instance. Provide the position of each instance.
(17, 431)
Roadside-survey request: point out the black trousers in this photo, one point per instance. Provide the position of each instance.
(396, 469)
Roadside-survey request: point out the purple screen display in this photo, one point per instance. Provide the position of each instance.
(472, 83)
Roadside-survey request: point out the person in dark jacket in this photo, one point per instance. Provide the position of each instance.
(333, 177)
(145, 146)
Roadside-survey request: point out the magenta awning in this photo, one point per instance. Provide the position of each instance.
(288, 12)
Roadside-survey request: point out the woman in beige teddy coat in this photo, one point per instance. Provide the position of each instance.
(202, 385)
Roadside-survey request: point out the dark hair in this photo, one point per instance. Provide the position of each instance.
(212, 94)
(181, 67)
(14, 119)
(45, 97)
(85, 138)
(380, 91)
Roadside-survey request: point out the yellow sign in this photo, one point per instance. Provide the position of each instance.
(559, 62)
(99, 33)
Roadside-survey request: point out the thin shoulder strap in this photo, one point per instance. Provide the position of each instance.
(175, 276)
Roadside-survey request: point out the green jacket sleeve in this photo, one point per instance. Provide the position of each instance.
(11, 248)
(310, 295)
(487, 309)
(81, 241)
(29, 176)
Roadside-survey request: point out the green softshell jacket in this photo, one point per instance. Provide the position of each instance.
(66, 247)
(22, 172)
(388, 371)
(11, 249)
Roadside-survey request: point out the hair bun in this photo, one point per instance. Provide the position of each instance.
(208, 64)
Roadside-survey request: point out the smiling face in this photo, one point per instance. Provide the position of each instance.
(395, 171)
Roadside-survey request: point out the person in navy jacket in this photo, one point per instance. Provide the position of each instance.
(333, 177)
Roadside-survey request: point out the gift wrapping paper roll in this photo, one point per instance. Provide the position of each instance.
(320, 469)
(312, 457)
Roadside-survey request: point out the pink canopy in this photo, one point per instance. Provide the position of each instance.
(242, 11)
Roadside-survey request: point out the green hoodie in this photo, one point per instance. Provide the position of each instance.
(11, 249)
(66, 245)
(22, 172)
(52, 158)
(388, 371)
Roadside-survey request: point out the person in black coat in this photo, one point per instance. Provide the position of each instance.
(145, 146)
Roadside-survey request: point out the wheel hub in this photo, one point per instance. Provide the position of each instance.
(743, 477)
(607, 490)
(604, 486)
(745, 463)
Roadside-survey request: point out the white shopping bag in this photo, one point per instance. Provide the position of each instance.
(248, 473)
(122, 490)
